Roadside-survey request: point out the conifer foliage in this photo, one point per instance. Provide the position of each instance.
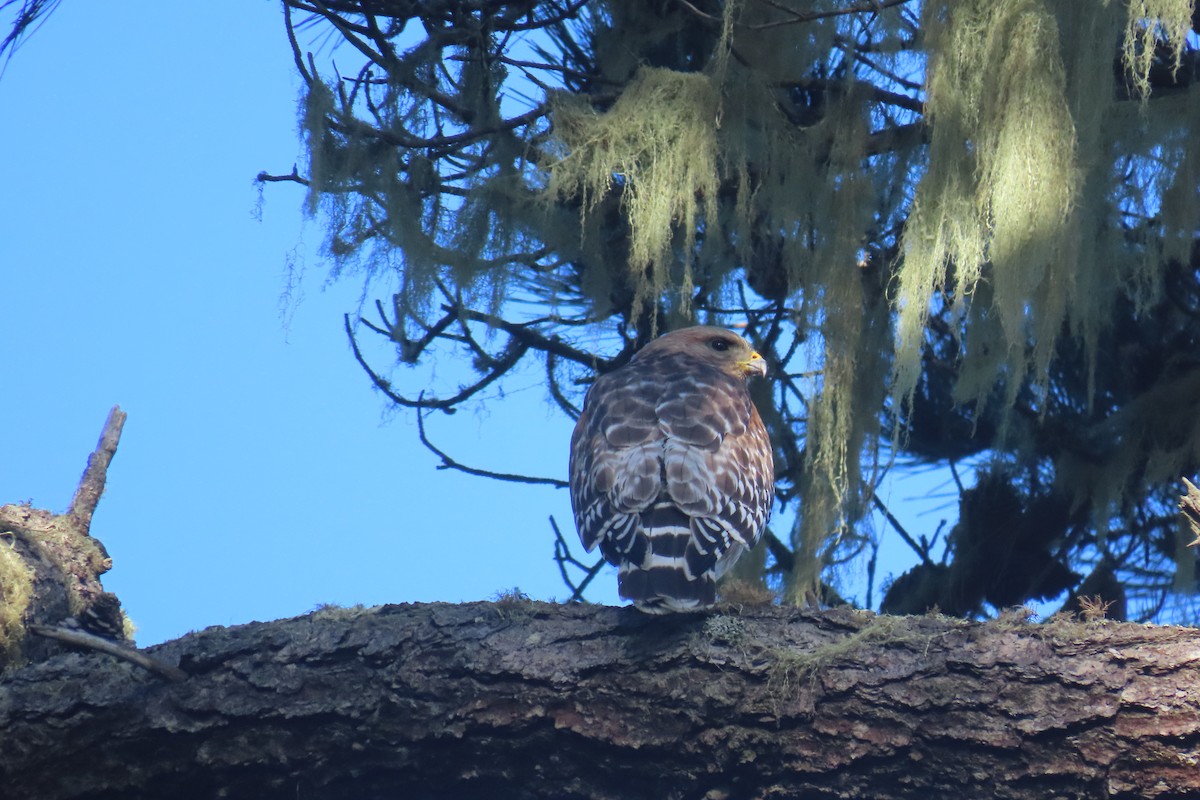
(963, 232)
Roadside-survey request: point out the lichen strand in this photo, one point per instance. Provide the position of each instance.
(791, 669)
(1149, 22)
(855, 330)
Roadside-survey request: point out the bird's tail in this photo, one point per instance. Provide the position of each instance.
(667, 571)
(665, 590)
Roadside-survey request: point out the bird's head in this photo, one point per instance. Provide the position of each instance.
(723, 349)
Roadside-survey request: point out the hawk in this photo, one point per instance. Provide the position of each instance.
(671, 468)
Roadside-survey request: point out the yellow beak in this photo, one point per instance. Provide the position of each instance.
(755, 365)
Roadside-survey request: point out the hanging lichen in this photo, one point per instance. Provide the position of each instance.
(1149, 24)
(382, 195)
(999, 191)
(1022, 222)
(1005, 176)
(853, 327)
(657, 147)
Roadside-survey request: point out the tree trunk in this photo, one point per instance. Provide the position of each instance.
(519, 699)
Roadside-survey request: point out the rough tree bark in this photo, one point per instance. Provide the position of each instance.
(519, 699)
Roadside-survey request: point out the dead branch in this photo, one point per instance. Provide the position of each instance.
(89, 641)
(91, 485)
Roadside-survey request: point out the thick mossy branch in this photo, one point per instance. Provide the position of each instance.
(518, 699)
(50, 564)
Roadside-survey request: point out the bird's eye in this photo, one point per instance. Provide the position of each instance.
(720, 345)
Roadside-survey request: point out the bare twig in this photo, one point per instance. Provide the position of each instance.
(450, 463)
(556, 391)
(497, 370)
(29, 18)
(297, 55)
(92, 642)
(881, 95)
(563, 557)
(895, 523)
(412, 141)
(536, 341)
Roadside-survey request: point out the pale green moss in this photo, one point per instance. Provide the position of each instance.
(16, 592)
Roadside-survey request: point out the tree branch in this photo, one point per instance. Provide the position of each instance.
(896, 526)
(782, 554)
(519, 699)
(497, 370)
(292, 177)
(795, 17)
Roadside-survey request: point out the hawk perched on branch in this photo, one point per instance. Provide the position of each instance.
(671, 467)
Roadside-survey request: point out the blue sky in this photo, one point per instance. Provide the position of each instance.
(259, 474)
